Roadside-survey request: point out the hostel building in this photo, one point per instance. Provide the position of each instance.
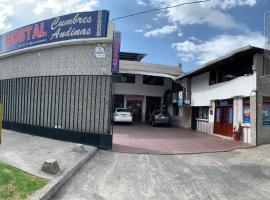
(229, 91)
(55, 78)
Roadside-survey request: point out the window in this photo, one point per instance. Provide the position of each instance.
(121, 110)
(230, 115)
(266, 111)
(213, 77)
(125, 78)
(153, 80)
(175, 109)
(203, 112)
(230, 69)
(218, 115)
(118, 101)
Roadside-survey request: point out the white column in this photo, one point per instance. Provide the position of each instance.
(237, 111)
(144, 109)
(125, 101)
(212, 117)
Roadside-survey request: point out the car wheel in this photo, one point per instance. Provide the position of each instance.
(153, 123)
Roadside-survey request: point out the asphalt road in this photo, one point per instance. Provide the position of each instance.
(241, 175)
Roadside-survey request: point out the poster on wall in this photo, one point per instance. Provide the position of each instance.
(81, 25)
(246, 114)
(266, 111)
(180, 98)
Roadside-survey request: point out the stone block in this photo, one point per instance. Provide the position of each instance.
(51, 166)
(79, 148)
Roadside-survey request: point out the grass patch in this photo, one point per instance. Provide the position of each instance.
(16, 184)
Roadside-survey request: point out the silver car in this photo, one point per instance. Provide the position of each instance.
(160, 118)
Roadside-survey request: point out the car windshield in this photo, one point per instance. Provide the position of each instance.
(121, 110)
(158, 112)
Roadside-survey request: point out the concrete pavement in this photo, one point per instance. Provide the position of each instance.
(239, 175)
(28, 153)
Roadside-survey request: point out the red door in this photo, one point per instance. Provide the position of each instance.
(224, 121)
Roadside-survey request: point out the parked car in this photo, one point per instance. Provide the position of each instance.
(122, 115)
(159, 118)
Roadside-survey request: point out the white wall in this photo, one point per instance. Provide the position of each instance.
(202, 93)
(141, 89)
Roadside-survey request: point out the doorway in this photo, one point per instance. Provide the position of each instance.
(135, 107)
(224, 118)
(152, 103)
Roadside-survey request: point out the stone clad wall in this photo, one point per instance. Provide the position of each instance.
(60, 90)
(263, 89)
(76, 59)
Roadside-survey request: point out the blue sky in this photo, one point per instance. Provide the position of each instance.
(191, 35)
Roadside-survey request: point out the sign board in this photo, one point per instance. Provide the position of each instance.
(100, 52)
(180, 98)
(246, 109)
(116, 52)
(81, 25)
(266, 111)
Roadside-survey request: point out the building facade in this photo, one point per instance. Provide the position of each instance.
(57, 83)
(228, 92)
(141, 86)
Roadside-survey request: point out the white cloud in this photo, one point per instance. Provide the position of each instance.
(15, 12)
(180, 34)
(138, 30)
(165, 30)
(202, 52)
(227, 4)
(6, 12)
(58, 6)
(141, 2)
(210, 13)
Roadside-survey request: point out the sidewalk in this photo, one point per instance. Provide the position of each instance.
(28, 153)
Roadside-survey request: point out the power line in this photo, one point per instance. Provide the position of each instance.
(158, 9)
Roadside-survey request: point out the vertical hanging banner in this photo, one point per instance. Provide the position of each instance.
(116, 52)
(81, 25)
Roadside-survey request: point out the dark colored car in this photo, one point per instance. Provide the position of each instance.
(159, 118)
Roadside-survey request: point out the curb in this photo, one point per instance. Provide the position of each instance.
(55, 185)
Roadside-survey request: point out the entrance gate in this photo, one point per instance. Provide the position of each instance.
(70, 108)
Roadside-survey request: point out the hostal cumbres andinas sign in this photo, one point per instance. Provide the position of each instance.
(80, 25)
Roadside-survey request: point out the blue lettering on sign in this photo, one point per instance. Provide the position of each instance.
(80, 25)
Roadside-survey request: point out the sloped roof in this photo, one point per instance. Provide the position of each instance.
(132, 56)
(212, 64)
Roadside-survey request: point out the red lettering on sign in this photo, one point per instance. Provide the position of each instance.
(15, 37)
(8, 39)
(43, 33)
(22, 36)
(39, 31)
(35, 32)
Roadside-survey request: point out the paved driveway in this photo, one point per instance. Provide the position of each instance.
(236, 175)
(143, 138)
